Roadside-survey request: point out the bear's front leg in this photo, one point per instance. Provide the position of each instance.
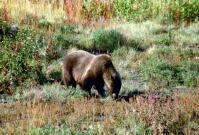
(86, 84)
(94, 92)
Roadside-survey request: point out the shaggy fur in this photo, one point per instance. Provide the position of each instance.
(88, 70)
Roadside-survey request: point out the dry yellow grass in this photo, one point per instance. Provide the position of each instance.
(35, 113)
(52, 11)
(104, 117)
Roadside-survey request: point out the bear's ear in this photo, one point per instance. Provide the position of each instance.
(109, 56)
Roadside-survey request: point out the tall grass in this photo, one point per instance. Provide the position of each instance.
(52, 10)
(165, 113)
(83, 11)
(158, 50)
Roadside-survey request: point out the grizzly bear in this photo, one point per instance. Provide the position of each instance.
(91, 71)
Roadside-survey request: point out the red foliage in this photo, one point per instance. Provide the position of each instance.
(5, 15)
(72, 11)
(76, 13)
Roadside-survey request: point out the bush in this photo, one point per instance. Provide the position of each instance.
(7, 31)
(158, 72)
(61, 41)
(189, 10)
(107, 40)
(20, 58)
(189, 71)
(67, 29)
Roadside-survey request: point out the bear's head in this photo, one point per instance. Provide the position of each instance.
(110, 75)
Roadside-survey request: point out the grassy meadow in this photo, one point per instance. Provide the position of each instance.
(154, 44)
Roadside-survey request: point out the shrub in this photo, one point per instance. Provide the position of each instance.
(7, 31)
(61, 41)
(67, 29)
(58, 45)
(158, 72)
(189, 71)
(107, 40)
(189, 10)
(20, 58)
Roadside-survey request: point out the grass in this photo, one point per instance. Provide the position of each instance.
(51, 11)
(150, 32)
(153, 45)
(168, 66)
(147, 114)
(85, 12)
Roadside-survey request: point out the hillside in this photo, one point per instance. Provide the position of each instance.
(153, 44)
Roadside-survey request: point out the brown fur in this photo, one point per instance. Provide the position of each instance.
(88, 70)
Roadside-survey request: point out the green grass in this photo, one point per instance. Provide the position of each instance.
(59, 130)
(171, 67)
(107, 40)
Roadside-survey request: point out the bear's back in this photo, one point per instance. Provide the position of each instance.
(77, 62)
(78, 57)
